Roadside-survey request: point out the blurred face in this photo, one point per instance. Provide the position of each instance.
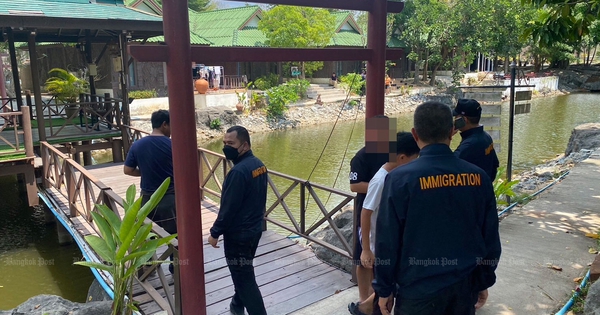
(231, 140)
(166, 129)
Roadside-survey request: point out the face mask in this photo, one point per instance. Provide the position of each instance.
(230, 152)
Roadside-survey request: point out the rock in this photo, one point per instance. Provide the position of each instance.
(592, 83)
(586, 136)
(227, 117)
(595, 269)
(96, 293)
(592, 301)
(55, 305)
(345, 224)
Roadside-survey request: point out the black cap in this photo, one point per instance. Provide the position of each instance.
(467, 107)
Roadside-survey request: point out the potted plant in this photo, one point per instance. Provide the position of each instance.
(66, 87)
(242, 97)
(126, 244)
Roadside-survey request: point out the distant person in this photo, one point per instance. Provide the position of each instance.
(388, 84)
(363, 166)
(334, 79)
(151, 158)
(437, 237)
(406, 151)
(476, 146)
(363, 88)
(240, 219)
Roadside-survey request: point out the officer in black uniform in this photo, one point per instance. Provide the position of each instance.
(437, 230)
(477, 146)
(240, 219)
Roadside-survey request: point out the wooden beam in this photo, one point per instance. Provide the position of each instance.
(156, 53)
(355, 5)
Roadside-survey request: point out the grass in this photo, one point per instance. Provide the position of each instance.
(56, 122)
(11, 156)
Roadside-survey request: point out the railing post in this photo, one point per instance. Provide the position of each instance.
(126, 139)
(302, 208)
(27, 136)
(46, 160)
(70, 188)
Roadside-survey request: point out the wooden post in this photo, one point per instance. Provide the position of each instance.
(46, 160)
(87, 155)
(117, 150)
(71, 197)
(126, 140)
(124, 78)
(15, 66)
(27, 135)
(30, 181)
(376, 42)
(30, 104)
(74, 153)
(37, 93)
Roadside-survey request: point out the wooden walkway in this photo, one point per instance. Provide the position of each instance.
(290, 276)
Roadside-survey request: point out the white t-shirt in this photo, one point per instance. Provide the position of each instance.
(372, 201)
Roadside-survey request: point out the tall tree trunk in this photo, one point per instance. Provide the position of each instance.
(416, 75)
(426, 64)
(433, 72)
(302, 74)
(507, 64)
(280, 71)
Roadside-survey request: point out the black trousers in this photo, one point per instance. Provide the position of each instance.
(165, 214)
(457, 299)
(239, 254)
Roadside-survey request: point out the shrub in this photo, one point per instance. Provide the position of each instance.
(215, 124)
(300, 86)
(502, 188)
(143, 94)
(266, 82)
(279, 97)
(352, 82)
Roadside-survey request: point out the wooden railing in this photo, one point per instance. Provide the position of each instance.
(83, 192)
(21, 140)
(215, 167)
(234, 81)
(281, 189)
(90, 114)
(130, 135)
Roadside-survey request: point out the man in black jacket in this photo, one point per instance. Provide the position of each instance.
(240, 219)
(437, 236)
(477, 146)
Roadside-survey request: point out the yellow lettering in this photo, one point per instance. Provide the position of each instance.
(478, 179)
(435, 181)
(451, 179)
(489, 149)
(424, 183)
(445, 180)
(459, 181)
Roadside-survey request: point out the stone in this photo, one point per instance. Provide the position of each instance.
(227, 117)
(592, 301)
(96, 293)
(595, 269)
(586, 136)
(592, 83)
(56, 305)
(344, 222)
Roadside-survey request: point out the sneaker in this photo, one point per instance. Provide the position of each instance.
(353, 309)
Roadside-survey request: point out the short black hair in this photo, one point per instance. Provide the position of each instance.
(159, 117)
(242, 133)
(433, 122)
(473, 120)
(406, 144)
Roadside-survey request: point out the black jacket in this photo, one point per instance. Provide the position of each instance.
(243, 198)
(437, 225)
(477, 147)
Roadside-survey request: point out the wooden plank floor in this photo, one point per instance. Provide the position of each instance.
(290, 276)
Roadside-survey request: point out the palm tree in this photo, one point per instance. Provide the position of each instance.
(65, 85)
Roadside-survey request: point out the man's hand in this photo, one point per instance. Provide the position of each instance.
(481, 299)
(384, 304)
(367, 258)
(213, 241)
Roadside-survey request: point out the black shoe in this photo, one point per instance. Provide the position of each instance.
(172, 269)
(353, 309)
(235, 310)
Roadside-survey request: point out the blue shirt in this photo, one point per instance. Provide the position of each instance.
(437, 225)
(152, 155)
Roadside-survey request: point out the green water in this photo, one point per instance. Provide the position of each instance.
(31, 260)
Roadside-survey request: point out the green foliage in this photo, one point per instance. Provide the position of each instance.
(353, 103)
(280, 96)
(502, 188)
(215, 124)
(352, 82)
(125, 244)
(65, 85)
(143, 94)
(298, 27)
(257, 100)
(300, 86)
(266, 82)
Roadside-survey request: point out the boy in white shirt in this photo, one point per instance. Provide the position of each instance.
(406, 151)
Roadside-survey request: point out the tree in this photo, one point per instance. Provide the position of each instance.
(298, 27)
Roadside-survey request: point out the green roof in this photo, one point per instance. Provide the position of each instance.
(78, 9)
(394, 42)
(348, 38)
(194, 39)
(228, 27)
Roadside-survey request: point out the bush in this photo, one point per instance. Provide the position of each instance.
(502, 188)
(143, 94)
(352, 82)
(215, 124)
(279, 97)
(266, 82)
(300, 86)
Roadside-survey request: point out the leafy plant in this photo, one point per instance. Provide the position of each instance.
(242, 96)
(352, 82)
(215, 124)
(300, 86)
(143, 94)
(65, 85)
(353, 103)
(266, 82)
(502, 188)
(126, 244)
(279, 97)
(257, 100)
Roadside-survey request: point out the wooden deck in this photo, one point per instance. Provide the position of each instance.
(290, 276)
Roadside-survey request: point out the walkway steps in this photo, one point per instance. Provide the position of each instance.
(290, 277)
